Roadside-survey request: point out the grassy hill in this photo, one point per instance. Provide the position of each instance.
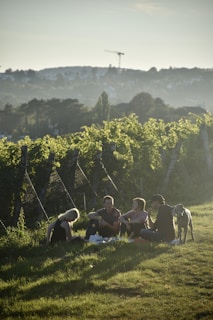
(120, 280)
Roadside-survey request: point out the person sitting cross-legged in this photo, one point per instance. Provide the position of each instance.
(163, 228)
(134, 220)
(105, 221)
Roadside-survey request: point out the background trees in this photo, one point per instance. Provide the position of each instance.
(102, 108)
(56, 116)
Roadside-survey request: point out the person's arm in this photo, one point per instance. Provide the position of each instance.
(150, 221)
(115, 226)
(146, 223)
(124, 217)
(140, 219)
(93, 215)
(67, 228)
(49, 230)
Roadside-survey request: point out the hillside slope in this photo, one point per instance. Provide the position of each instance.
(177, 87)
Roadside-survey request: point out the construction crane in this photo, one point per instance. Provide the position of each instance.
(119, 56)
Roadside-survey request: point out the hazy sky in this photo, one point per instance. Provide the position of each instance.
(38, 34)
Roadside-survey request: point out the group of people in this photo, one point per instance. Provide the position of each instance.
(109, 222)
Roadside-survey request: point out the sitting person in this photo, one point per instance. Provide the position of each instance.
(105, 221)
(60, 230)
(134, 220)
(163, 229)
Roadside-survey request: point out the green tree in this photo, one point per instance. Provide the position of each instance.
(102, 108)
(142, 104)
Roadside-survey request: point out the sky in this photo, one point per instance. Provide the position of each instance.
(151, 33)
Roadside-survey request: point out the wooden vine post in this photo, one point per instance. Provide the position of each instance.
(43, 192)
(20, 179)
(173, 161)
(207, 151)
(72, 169)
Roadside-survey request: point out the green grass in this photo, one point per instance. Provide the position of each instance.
(119, 280)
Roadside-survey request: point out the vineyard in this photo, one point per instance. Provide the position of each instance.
(122, 157)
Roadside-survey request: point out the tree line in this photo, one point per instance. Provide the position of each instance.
(177, 86)
(62, 116)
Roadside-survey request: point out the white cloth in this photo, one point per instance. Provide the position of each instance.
(99, 239)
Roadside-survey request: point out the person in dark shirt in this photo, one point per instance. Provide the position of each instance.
(60, 230)
(163, 229)
(105, 221)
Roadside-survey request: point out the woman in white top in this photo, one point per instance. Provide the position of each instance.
(134, 220)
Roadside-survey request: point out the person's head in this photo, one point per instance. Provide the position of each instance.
(70, 215)
(138, 203)
(157, 201)
(108, 202)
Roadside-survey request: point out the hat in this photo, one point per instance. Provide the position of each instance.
(159, 198)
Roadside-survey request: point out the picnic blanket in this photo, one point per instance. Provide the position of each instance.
(99, 239)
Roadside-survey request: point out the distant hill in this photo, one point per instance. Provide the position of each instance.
(177, 87)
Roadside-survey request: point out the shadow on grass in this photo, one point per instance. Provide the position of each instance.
(85, 265)
(125, 258)
(31, 262)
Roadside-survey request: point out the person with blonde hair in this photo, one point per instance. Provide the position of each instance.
(135, 219)
(60, 230)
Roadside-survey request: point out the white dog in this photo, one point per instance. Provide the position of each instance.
(184, 219)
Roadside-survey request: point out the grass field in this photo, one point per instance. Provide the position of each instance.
(118, 280)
